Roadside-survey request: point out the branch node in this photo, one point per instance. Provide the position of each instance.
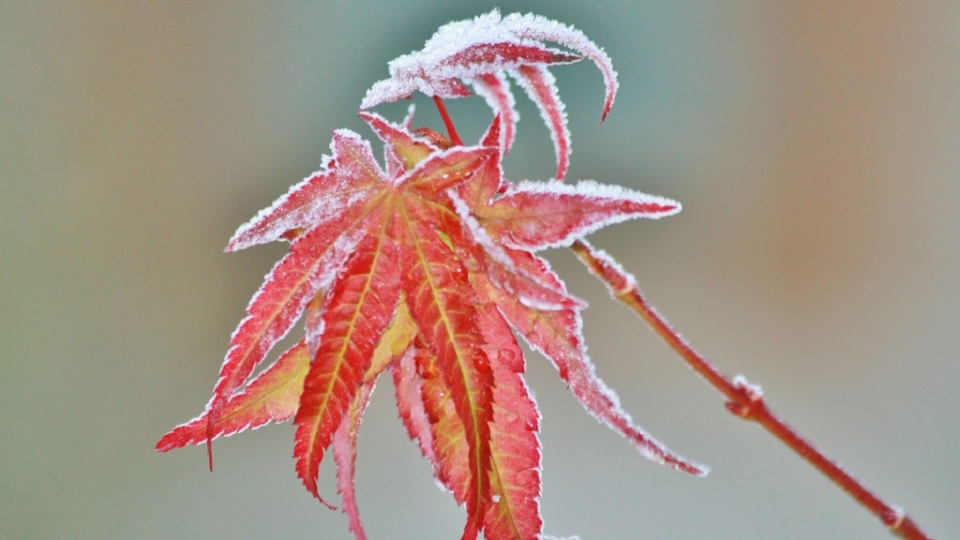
(749, 398)
(893, 517)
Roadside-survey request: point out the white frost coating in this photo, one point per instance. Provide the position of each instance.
(431, 69)
(342, 135)
(440, 485)
(753, 391)
(408, 120)
(549, 106)
(540, 28)
(237, 242)
(500, 99)
(593, 190)
(337, 196)
(425, 69)
(341, 250)
(629, 280)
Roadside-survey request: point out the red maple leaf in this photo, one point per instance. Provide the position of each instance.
(425, 270)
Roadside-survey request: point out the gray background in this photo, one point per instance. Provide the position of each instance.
(815, 147)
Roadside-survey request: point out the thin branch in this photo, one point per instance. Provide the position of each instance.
(745, 399)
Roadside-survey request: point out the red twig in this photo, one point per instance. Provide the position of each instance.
(745, 400)
(452, 131)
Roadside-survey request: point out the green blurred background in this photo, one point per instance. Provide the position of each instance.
(815, 146)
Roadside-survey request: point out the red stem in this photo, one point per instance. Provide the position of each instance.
(745, 399)
(452, 131)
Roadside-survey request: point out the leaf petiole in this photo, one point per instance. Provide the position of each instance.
(451, 130)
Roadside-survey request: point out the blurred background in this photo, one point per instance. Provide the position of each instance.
(815, 147)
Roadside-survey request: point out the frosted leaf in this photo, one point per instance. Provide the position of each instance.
(272, 396)
(539, 215)
(349, 177)
(558, 335)
(540, 28)
(345, 454)
(495, 89)
(387, 91)
(515, 473)
(402, 150)
(407, 387)
(487, 44)
(542, 89)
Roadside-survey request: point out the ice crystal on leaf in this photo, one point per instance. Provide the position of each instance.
(425, 270)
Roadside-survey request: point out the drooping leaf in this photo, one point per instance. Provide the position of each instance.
(447, 436)
(393, 343)
(514, 510)
(360, 306)
(273, 396)
(495, 88)
(408, 386)
(345, 454)
(458, 50)
(540, 28)
(542, 89)
(440, 301)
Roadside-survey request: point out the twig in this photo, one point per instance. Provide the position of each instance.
(745, 400)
